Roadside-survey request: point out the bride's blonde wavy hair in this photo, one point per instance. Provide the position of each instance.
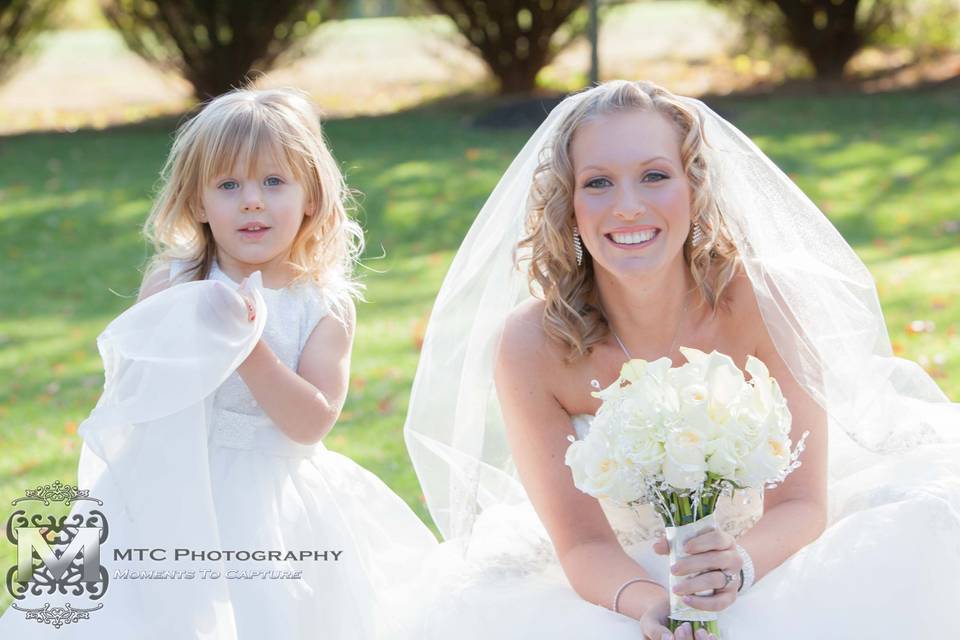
(572, 315)
(232, 131)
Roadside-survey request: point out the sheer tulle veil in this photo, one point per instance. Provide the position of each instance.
(817, 299)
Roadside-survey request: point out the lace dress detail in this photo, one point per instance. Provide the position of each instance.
(238, 422)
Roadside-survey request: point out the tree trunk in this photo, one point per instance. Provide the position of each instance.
(512, 36)
(825, 30)
(830, 62)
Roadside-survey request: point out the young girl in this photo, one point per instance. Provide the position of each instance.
(220, 385)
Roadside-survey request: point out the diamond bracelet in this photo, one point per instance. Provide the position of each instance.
(747, 572)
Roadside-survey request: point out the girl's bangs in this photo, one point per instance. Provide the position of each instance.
(241, 142)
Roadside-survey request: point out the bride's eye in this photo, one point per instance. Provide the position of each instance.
(655, 176)
(597, 183)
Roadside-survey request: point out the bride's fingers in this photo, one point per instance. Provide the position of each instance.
(653, 622)
(661, 546)
(714, 580)
(712, 540)
(709, 561)
(657, 632)
(717, 602)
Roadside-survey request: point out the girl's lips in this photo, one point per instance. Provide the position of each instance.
(253, 235)
(639, 245)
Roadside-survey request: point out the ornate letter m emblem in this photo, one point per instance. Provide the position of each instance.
(57, 556)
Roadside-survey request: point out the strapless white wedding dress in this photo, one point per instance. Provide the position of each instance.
(887, 566)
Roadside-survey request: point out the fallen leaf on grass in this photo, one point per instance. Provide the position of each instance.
(420, 331)
(25, 468)
(938, 303)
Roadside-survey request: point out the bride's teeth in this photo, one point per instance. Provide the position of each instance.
(633, 238)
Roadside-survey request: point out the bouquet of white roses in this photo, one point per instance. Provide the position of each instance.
(679, 438)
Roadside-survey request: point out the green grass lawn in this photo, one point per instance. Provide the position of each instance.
(885, 168)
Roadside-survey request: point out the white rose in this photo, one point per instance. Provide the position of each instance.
(693, 394)
(728, 454)
(684, 465)
(640, 408)
(698, 419)
(595, 471)
(764, 463)
(642, 448)
(749, 427)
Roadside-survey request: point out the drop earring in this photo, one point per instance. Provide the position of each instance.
(697, 236)
(577, 245)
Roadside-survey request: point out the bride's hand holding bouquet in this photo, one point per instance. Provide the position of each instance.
(678, 438)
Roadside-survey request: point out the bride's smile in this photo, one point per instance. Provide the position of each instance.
(633, 237)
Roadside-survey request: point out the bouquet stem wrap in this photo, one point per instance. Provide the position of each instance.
(677, 537)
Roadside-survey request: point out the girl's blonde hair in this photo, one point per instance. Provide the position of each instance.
(232, 131)
(572, 315)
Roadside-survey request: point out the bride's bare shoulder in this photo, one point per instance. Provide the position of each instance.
(739, 293)
(743, 310)
(524, 342)
(523, 328)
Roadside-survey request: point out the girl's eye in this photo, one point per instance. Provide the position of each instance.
(229, 185)
(273, 181)
(598, 183)
(655, 176)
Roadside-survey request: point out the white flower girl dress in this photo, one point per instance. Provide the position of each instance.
(306, 543)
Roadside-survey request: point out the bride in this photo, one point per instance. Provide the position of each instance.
(635, 222)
